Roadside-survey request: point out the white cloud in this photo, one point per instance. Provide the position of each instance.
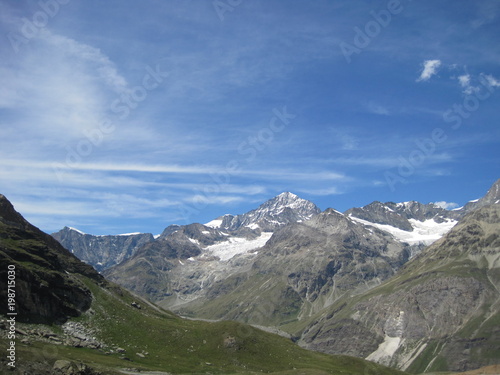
(464, 81)
(492, 81)
(56, 89)
(92, 57)
(446, 205)
(469, 88)
(430, 68)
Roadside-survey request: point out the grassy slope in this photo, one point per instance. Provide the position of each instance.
(178, 345)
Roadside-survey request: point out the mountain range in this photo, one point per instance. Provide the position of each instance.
(306, 270)
(409, 285)
(188, 266)
(68, 319)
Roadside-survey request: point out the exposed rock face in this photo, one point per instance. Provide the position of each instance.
(45, 286)
(101, 252)
(438, 313)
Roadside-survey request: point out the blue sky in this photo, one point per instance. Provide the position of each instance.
(128, 116)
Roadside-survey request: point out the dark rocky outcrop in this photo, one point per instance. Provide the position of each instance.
(45, 284)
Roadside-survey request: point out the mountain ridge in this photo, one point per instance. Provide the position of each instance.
(101, 251)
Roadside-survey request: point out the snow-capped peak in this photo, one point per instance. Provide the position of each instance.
(280, 210)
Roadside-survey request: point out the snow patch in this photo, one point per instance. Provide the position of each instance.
(77, 230)
(253, 226)
(214, 223)
(236, 245)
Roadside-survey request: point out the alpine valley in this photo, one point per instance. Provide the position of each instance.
(67, 319)
(412, 286)
(409, 285)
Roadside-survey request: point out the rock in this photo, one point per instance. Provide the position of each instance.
(21, 332)
(63, 367)
(230, 342)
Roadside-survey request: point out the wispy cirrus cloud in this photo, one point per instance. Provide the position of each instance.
(220, 84)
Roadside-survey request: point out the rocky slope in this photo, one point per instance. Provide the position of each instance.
(101, 252)
(46, 283)
(440, 312)
(121, 330)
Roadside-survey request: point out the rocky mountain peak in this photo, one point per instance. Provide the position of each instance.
(9, 214)
(283, 209)
(491, 197)
(285, 200)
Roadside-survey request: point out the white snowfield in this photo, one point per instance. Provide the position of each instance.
(235, 246)
(214, 223)
(425, 232)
